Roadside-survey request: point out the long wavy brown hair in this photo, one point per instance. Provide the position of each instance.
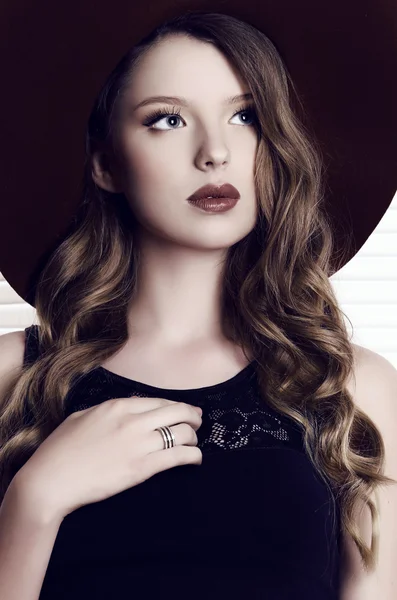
(277, 299)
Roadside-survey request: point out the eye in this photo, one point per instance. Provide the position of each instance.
(160, 115)
(166, 115)
(247, 110)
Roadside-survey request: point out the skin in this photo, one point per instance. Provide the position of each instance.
(178, 297)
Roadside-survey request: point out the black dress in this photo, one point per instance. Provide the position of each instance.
(253, 521)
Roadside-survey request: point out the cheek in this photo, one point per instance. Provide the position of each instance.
(146, 174)
(150, 166)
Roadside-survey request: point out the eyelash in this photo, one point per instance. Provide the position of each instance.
(158, 114)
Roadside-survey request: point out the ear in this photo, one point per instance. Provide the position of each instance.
(103, 174)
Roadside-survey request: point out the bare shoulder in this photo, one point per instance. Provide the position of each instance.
(373, 387)
(12, 349)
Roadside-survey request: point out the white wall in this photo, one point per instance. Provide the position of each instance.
(366, 289)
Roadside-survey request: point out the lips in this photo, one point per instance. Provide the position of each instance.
(215, 191)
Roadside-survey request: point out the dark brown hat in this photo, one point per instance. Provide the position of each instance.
(55, 57)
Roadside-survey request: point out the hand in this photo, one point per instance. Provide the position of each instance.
(105, 449)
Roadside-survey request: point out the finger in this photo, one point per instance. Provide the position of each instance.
(183, 433)
(170, 415)
(137, 405)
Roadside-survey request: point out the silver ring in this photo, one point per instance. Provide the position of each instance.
(168, 436)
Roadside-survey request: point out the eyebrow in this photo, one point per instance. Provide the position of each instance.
(181, 101)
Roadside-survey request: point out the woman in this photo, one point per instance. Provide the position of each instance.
(214, 335)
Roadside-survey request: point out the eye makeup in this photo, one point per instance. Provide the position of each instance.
(160, 113)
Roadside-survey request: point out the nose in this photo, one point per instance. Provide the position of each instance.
(213, 154)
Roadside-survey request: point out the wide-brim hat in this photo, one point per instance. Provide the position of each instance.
(55, 57)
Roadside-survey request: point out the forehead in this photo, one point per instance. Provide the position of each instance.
(182, 66)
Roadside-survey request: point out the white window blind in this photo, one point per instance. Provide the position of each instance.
(366, 289)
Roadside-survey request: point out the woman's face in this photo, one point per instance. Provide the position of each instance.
(162, 164)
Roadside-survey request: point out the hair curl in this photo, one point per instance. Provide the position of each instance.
(277, 299)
